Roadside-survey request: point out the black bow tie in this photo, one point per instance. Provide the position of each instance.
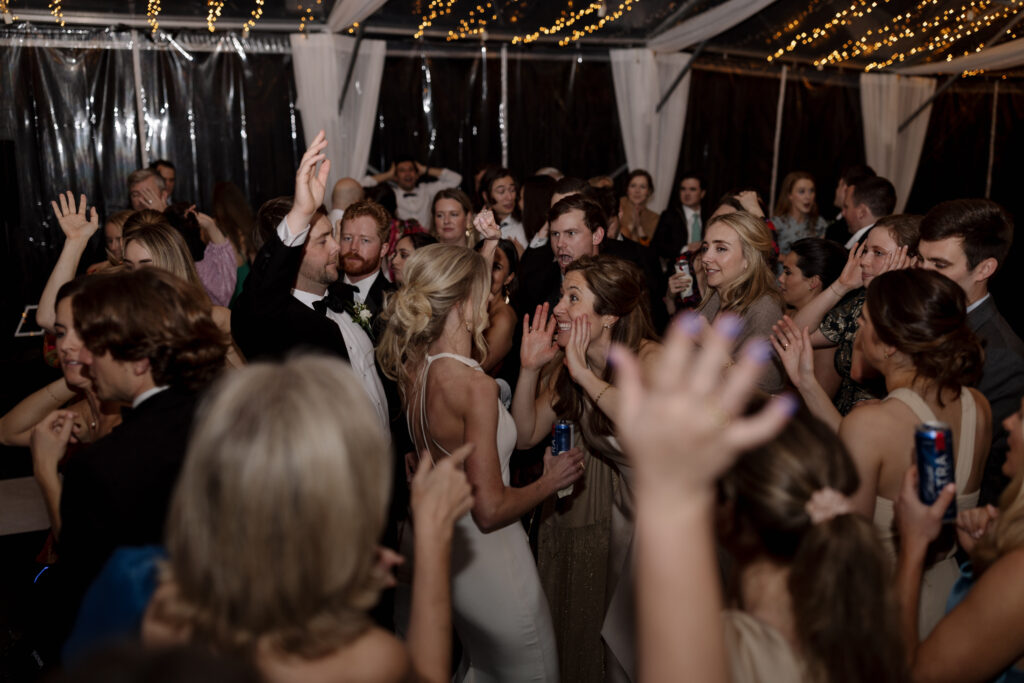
(409, 194)
(338, 296)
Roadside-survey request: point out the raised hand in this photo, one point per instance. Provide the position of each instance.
(154, 200)
(420, 168)
(537, 348)
(748, 200)
(563, 469)
(440, 493)
(851, 278)
(75, 223)
(896, 260)
(311, 184)
(920, 524)
(794, 349)
(685, 427)
(576, 349)
(486, 226)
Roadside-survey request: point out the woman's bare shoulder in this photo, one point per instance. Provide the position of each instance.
(376, 655)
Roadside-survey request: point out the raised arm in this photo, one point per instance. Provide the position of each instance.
(78, 226)
(687, 399)
(440, 495)
(811, 315)
(16, 426)
(531, 409)
(796, 352)
(310, 185)
(496, 505)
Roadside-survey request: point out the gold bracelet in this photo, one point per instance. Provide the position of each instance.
(598, 399)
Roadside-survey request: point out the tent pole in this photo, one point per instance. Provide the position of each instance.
(351, 67)
(949, 81)
(992, 142)
(672, 18)
(778, 132)
(679, 78)
(503, 108)
(140, 113)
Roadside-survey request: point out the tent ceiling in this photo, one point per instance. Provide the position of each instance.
(762, 35)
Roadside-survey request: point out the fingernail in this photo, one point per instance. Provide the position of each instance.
(788, 403)
(689, 323)
(729, 325)
(759, 350)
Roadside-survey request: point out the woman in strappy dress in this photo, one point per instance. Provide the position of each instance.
(434, 325)
(913, 330)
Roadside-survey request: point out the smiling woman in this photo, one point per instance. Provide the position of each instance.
(736, 251)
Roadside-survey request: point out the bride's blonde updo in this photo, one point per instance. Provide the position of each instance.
(437, 278)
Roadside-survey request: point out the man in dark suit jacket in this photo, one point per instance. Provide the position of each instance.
(838, 230)
(577, 228)
(364, 244)
(149, 342)
(967, 240)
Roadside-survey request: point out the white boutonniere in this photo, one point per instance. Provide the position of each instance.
(361, 314)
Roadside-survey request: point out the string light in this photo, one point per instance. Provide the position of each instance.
(152, 12)
(474, 24)
(569, 18)
(55, 9)
(932, 30)
(256, 14)
(307, 17)
(213, 10)
(435, 10)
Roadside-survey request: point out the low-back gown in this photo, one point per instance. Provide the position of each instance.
(499, 610)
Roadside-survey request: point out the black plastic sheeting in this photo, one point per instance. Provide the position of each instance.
(68, 120)
(445, 112)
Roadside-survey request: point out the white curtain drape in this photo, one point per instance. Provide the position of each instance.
(651, 138)
(1004, 56)
(348, 12)
(320, 61)
(886, 100)
(707, 24)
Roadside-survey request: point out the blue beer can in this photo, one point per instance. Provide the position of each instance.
(935, 465)
(563, 436)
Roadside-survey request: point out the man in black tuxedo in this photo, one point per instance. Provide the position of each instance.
(292, 298)
(577, 228)
(364, 244)
(967, 240)
(865, 203)
(148, 342)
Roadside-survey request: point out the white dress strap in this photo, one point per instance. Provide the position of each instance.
(914, 402)
(968, 431)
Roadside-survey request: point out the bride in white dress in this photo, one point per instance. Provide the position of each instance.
(435, 323)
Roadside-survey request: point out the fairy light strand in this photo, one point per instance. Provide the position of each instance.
(933, 31)
(257, 13)
(152, 14)
(435, 10)
(213, 12)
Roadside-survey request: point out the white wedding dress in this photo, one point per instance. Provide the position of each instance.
(498, 606)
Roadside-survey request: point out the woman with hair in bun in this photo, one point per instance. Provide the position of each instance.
(981, 638)
(913, 330)
(431, 345)
(604, 301)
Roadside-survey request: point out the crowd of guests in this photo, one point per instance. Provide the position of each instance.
(317, 442)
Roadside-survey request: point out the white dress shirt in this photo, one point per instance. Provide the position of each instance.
(978, 303)
(357, 342)
(511, 229)
(362, 287)
(415, 203)
(852, 242)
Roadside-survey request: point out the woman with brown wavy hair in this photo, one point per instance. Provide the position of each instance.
(913, 330)
(604, 301)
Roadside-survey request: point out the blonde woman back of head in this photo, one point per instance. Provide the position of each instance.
(274, 525)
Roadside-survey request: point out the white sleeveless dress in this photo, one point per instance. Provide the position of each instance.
(938, 579)
(498, 606)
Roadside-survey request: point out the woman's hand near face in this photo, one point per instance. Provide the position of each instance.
(576, 350)
(748, 200)
(537, 348)
(486, 226)
(896, 260)
(851, 278)
(688, 397)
